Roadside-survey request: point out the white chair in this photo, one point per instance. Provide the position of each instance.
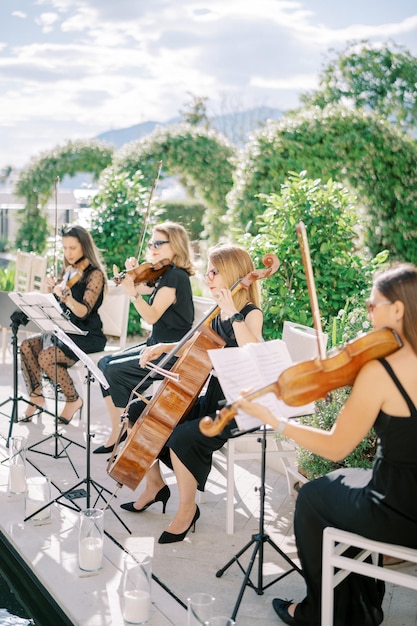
(302, 345)
(337, 565)
(301, 341)
(225, 458)
(30, 273)
(114, 314)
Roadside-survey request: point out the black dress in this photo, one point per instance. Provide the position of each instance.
(379, 503)
(194, 449)
(122, 370)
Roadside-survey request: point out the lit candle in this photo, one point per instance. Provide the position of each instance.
(31, 506)
(17, 479)
(90, 553)
(137, 606)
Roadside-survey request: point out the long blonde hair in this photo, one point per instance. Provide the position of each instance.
(180, 244)
(234, 263)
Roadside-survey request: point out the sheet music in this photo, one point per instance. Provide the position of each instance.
(84, 358)
(44, 310)
(255, 366)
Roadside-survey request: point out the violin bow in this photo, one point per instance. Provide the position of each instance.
(148, 209)
(305, 252)
(55, 263)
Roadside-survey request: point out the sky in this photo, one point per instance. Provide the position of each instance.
(72, 69)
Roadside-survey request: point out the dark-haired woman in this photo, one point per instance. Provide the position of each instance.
(80, 304)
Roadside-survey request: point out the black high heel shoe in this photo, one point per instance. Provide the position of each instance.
(281, 609)
(163, 496)
(167, 537)
(78, 410)
(107, 449)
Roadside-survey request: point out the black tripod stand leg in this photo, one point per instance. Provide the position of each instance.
(235, 558)
(259, 540)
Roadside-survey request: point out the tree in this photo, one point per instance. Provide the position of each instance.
(203, 158)
(36, 184)
(342, 273)
(117, 222)
(376, 159)
(381, 79)
(195, 112)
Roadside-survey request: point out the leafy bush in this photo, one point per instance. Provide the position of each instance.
(312, 465)
(7, 278)
(350, 321)
(359, 149)
(117, 222)
(340, 269)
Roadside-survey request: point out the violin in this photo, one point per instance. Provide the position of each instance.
(73, 273)
(312, 380)
(145, 273)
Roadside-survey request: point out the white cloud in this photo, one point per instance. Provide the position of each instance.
(90, 65)
(20, 14)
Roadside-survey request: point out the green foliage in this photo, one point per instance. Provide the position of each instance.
(7, 278)
(117, 222)
(324, 417)
(375, 159)
(36, 184)
(339, 270)
(349, 322)
(196, 111)
(203, 159)
(382, 79)
(4, 244)
(187, 212)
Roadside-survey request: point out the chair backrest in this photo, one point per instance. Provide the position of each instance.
(114, 313)
(201, 307)
(30, 271)
(23, 271)
(301, 341)
(38, 272)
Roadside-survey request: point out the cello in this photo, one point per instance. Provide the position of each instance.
(177, 393)
(312, 380)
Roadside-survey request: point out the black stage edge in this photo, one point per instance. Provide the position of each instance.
(32, 595)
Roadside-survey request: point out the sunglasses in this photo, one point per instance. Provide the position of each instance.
(157, 244)
(211, 274)
(370, 306)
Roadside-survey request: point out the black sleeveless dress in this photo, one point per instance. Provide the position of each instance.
(379, 503)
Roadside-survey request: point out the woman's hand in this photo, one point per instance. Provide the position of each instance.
(151, 353)
(49, 283)
(257, 410)
(226, 304)
(128, 284)
(130, 263)
(58, 291)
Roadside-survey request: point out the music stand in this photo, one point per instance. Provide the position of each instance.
(44, 310)
(74, 492)
(256, 366)
(258, 540)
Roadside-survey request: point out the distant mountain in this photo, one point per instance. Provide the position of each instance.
(235, 126)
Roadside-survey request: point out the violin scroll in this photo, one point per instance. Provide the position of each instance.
(271, 263)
